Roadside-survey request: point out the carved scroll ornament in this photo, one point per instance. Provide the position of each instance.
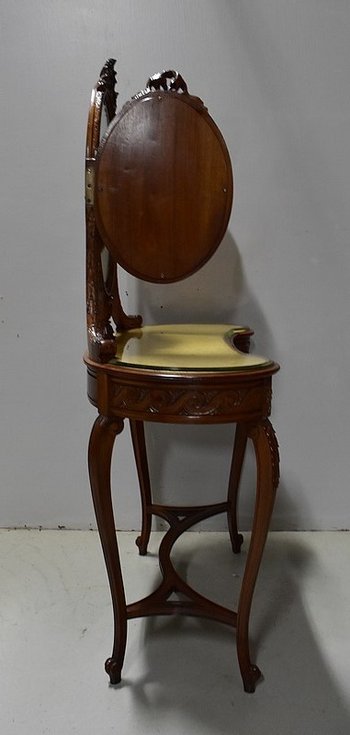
(167, 81)
(178, 401)
(269, 433)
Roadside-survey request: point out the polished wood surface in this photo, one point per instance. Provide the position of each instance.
(102, 293)
(158, 199)
(163, 186)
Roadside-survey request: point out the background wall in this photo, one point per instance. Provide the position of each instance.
(275, 76)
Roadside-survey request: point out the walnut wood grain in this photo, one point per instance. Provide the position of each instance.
(101, 444)
(267, 457)
(239, 449)
(139, 445)
(163, 187)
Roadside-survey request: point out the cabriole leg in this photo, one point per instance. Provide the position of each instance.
(100, 454)
(139, 445)
(239, 448)
(266, 451)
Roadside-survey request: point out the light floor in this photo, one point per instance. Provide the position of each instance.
(180, 675)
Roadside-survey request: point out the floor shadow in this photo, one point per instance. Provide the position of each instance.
(190, 669)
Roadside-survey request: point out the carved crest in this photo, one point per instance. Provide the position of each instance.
(168, 81)
(106, 84)
(108, 77)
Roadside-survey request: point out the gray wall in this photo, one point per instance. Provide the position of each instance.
(275, 76)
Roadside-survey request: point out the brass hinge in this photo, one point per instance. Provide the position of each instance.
(90, 181)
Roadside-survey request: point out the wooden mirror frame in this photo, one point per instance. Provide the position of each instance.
(102, 293)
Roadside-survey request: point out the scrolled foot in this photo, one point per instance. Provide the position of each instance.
(142, 546)
(113, 671)
(236, 543)
(250, 678)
